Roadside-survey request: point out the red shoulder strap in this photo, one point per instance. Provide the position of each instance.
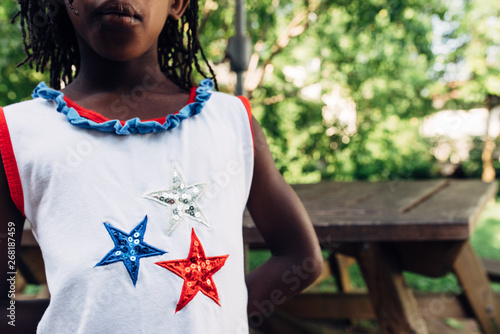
(10, 164)
(248, 107)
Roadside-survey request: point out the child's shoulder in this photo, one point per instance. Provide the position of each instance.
(33, 110)
(26, 105)
(28, 114)
(232, 101)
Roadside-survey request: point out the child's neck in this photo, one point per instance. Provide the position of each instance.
(98, 74)
(137, 85)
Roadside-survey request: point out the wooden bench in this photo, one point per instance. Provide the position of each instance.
(389, 227)
(492, 268)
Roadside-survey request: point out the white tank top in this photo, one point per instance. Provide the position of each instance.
(140, 233)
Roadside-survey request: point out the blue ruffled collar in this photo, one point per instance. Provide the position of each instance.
(134, 125)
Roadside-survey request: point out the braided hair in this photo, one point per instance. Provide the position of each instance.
(50, 42)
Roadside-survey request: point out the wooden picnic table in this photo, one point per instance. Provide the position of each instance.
(391, 227)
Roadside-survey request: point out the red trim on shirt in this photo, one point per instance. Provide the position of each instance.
(86, 113)
(192, 95)
(248, 107)
(98, 118)
(10, 164)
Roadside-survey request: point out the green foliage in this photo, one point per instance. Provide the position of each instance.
(378, 53)
(472, 40)
(16, 84)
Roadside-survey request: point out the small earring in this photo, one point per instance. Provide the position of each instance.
(70, 4)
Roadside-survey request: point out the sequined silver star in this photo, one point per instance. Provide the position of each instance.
(181, 199)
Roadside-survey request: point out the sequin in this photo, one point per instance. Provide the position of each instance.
(196, 279)
(129, 253)
(179, 198)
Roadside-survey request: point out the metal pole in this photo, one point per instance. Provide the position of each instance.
(240, 19)
(239, 26)
(239, 46)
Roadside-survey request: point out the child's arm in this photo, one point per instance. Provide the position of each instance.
(26, 314)
(279, 215)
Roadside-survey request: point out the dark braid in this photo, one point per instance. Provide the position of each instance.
(49, 41)
(178, 56)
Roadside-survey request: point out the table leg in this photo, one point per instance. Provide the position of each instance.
(476, 286)
(393, 301)
(246, 256)
(339, 267)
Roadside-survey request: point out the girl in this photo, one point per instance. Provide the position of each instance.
(135, 182)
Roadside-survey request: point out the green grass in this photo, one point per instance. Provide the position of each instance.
(485, 241)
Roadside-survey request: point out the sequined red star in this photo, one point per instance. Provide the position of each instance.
(197, 271)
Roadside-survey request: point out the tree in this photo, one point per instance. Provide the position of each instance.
(16, 83)
(372, 56)
(470, 64)
(376, 54)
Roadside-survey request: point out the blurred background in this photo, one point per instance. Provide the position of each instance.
(374, 90)
(347, 90)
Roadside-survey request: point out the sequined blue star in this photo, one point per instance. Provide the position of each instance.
(129, 248)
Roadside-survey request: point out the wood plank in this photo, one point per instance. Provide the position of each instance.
(451, 203)
(31, 265)
(429, 258)
(338, 264)
(365, 230)
(445, 215)
(28, 240)
(400, 196)
(378, 197)
(337, 194)
(393, 301)
(476, 287)
(492, 268)
(282, 323)
(333, 306)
